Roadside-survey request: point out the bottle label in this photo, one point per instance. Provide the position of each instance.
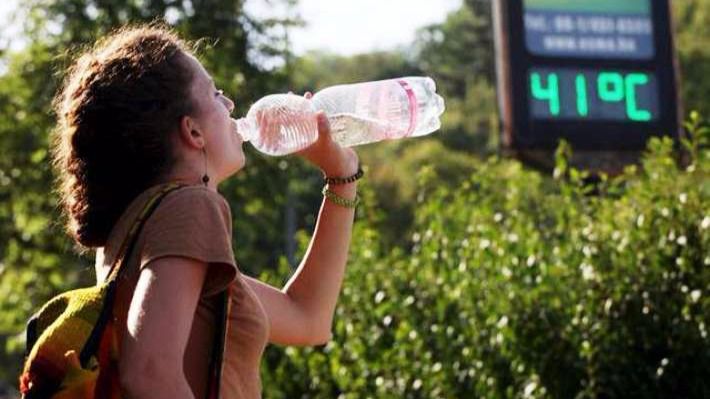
(413, 106)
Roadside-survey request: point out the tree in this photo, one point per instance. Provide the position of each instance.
(692, 22)
(458, 53)
(317, 69)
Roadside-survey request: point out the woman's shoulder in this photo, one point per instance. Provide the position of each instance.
(194, 200)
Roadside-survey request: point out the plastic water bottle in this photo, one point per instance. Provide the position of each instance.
(358, 113)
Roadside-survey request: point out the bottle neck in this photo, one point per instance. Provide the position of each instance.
(245, 129)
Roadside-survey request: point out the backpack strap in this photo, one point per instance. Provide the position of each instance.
(92, 343)
(218, 347)
(132, 236)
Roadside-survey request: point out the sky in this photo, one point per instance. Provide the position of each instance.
(6, 29)
(357, 26)
(341, 26)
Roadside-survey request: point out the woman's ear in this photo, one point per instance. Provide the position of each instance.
(190, 133)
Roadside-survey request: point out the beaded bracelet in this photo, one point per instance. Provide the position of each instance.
(336, 181)
(338, 200)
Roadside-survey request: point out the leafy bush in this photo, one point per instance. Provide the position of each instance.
(517, 285)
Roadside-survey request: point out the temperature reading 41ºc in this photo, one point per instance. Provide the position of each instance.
(593, 95)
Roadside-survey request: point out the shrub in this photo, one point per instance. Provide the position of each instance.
(518, 285)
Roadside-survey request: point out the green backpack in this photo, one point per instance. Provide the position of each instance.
(72, 351)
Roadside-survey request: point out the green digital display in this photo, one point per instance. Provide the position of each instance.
(583, 94)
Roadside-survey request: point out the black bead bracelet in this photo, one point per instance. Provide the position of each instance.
(336, 181)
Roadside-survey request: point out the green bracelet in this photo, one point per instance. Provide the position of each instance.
(338, 200)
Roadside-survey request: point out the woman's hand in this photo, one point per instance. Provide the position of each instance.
(326, 154)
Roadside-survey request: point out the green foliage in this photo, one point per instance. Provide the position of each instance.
(458, 54)
(35, 256)
(396, 188)
(459, 50)
(517, 285)
(692, 25)
(470, 124)
(317, 70)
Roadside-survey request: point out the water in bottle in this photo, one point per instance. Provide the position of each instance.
(280, 124)
(358, 114)
(349, 129)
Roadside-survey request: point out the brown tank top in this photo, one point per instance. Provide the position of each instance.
(196, 222)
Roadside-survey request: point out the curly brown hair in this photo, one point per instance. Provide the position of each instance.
(119, 105)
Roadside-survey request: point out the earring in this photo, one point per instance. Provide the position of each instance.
(205, 177)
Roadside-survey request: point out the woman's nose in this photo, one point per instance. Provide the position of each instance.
(229, 104)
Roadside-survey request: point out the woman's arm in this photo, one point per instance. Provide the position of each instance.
(302, 312)
(159, 323)
(315, 286)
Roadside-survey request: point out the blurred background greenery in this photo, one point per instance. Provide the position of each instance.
(470, 276)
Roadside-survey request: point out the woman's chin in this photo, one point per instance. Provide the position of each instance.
(239, 167)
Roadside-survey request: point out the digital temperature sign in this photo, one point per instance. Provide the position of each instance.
(600, 74)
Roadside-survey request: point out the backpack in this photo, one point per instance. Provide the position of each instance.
(72, 351)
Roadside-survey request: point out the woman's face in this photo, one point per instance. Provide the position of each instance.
(223, 145)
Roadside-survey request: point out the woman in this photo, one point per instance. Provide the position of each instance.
(136, 111)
